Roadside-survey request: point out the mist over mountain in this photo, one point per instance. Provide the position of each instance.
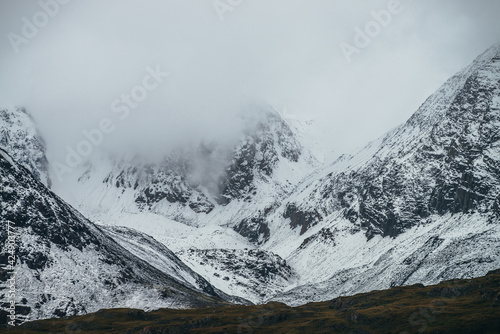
(253, 215)
(180, 155)
(89, 55)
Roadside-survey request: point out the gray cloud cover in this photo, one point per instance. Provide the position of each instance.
(285, 52)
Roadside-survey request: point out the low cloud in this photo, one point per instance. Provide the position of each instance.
(283, 52)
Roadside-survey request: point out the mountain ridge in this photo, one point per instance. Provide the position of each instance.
(66, 265)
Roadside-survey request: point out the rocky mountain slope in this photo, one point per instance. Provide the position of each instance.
(253, 273)
(66, 265)
(20, 137)
(159, 256)
(227, 183)
(444, 159)
(418, 205)
(345, 262)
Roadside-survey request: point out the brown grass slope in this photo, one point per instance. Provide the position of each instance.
(457, 306)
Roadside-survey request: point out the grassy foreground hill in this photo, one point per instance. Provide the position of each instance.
(457, 306)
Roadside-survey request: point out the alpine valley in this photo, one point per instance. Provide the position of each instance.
(263, 218)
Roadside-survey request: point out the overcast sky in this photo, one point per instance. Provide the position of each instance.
(285, 52)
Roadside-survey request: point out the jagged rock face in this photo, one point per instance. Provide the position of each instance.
(256, 230)
(199, 183)
(257, 156)
(445, 159)
(20, 138)
(226, 174)
(304, 219)
(67, 265)
(255, 274)
(470, 138)
(168, 181)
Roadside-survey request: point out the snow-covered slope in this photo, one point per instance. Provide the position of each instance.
(66, 265)
(420, 204)
(159, 256)
(443, 160)
(221, 184)
(338, 261)
(20, 138)
(254, 274)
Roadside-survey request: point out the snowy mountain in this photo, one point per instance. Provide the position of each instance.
(224, 184)
(255, 274)
(20, 137)
(66, 265)
(337, 226)
(259, 218)
(421, 204)
(444, 159)
(159, 256)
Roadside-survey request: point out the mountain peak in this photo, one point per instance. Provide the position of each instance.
(442, 160)
(433, 108)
